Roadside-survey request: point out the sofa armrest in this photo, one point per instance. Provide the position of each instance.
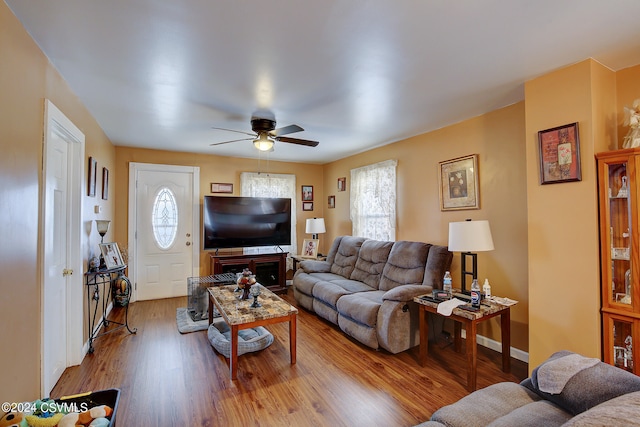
(313, 266)
(406, 293)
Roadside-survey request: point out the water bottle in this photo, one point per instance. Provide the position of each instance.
(486, 289)
(446, 283)
(475, 294)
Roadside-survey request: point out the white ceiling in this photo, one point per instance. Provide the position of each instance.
(355, 74)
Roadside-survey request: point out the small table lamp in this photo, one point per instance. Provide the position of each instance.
(103, 226)
(465, 237)
(315, 226)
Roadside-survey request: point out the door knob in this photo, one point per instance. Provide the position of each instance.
(67, 272)
(188, 234)
(188, 243)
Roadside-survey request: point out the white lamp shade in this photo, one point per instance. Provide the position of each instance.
(315, 226)
(470, 236)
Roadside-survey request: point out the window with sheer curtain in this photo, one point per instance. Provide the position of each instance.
(254, 184)
(373, 201)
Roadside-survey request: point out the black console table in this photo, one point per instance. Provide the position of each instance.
(93, 280)
(268, 268)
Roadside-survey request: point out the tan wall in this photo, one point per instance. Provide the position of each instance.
(26, 79)
(498, 139)
(564, 258)
(215, 169)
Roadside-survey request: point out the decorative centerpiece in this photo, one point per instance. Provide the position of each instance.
(255, 293)
(244, 282)
(632, 119)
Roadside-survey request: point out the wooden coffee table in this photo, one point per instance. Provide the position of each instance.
(239, 315)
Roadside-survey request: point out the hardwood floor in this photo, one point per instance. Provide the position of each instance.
(168, 379)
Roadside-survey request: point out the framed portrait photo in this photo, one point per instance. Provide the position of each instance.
(342, 184)
(331, 200)
(307, 193)
(559, 154)
(111, 254)
(310, 248)
(91, 177)
(459, 184)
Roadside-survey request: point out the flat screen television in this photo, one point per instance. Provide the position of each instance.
(240, 222)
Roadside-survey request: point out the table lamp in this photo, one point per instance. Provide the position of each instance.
(103, 226)
(467, 237)
(315, 226)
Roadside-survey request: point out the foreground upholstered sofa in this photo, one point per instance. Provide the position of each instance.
(366, 287)
(566, 390)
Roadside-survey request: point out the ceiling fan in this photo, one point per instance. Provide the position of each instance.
(265, 134)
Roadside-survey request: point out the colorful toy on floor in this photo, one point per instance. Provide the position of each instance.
(44, 414)
(13, 419)
(93, 417)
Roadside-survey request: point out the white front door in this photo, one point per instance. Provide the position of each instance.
(62, 275)
(166, 219)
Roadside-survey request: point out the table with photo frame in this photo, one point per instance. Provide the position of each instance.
(94, 280)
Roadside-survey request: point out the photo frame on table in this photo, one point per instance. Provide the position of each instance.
(310, 248)
(459, 185)
(332, 202)
(559, 149)
(221, 187)
(307, 206)
(91, 176)
(307, 193)
(111, 254)
(105, 184)
(342, 184)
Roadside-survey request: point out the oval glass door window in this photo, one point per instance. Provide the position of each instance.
(164, 218)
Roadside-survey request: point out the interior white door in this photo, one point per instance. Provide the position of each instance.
(166, 217)
(61, 225)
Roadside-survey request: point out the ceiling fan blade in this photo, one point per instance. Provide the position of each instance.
(298, 141)
(233, 140)
(233, 130)
(285, 130)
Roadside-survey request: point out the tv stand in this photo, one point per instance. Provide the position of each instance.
(269, 269)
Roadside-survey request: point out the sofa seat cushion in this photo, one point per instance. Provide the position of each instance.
(361, 307)
(620, 411)
(371, 261)
(352, 286)
(405, 265)
(484, 406)
(329, 293)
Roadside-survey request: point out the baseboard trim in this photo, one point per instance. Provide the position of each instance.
(497, 346)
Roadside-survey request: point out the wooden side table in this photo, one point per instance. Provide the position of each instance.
(470, 320)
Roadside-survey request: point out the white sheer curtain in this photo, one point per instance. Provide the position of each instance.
(254, 184)
(373, 201)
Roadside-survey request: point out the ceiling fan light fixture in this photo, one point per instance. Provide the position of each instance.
(263, 142)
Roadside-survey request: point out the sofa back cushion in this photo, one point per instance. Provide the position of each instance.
(405, 265)
(371, 261)
(346, 255)
(438, 261)
(588, 387)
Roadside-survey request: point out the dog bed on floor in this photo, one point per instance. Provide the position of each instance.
(249, 340)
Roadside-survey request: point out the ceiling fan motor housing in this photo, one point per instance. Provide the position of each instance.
(262, 125)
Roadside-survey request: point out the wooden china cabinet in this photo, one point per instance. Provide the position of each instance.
(619, 188)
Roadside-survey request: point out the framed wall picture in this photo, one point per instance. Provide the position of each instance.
(221, 187)
(332, 202)
(459, 185)
(310, 248)
(307, 193)
(307, 206)
(111, 254)
(342, 184)
(559, 154)
(91, 177)
(105, 184)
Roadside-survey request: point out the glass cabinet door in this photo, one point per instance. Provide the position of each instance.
(620, 347)
(619, 222)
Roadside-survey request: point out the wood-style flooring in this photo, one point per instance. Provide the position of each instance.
(168, 379)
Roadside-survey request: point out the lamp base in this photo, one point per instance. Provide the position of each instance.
(463, 270)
